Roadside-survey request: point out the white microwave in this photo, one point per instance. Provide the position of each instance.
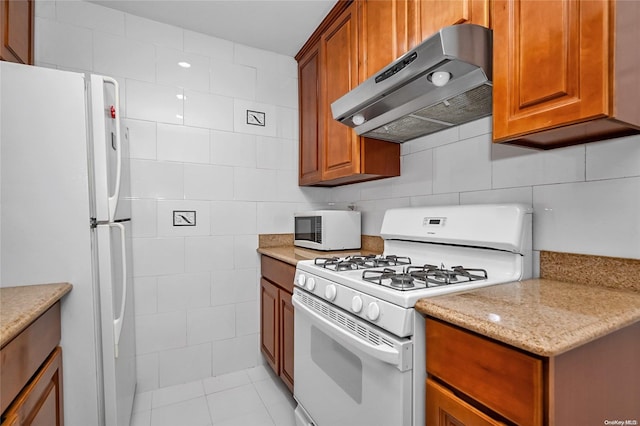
(327, 229)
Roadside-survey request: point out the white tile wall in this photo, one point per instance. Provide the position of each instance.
(586, 198)
(192, 149)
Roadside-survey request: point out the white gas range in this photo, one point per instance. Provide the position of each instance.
(359, 344)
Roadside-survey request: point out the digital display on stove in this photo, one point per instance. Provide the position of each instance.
(433, 221)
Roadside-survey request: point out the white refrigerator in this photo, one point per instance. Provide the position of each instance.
(65, 217)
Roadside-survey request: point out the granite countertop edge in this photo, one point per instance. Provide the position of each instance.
(20, 306)
(292, 255)
(533, 331)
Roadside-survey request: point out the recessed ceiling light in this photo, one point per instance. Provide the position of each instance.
(184, 64)
(179, 116)
(181, 96)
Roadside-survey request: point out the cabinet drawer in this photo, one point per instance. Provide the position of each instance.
(503, 379)
(23, 355)
(278, 272)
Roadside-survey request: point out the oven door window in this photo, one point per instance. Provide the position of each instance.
(308, 228)
(340, 385)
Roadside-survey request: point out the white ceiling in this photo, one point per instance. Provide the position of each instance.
(280, 26)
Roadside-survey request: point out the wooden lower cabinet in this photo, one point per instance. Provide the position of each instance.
(446, 409)
(473, 380)
(31, 374)
(276, 317)
(40, 403)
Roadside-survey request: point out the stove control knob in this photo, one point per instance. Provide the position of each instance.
(311, 283)
(356, 304)
(373, 311)
(330, 292)
(301, 280)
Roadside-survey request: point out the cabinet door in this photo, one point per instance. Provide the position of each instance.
(445, 409)
(16, 30)
(310, 165)
(339, 144)
(387, 31)
(40, 403)
(435, 14)
(269, 320)
(550, 64)
(286, 340)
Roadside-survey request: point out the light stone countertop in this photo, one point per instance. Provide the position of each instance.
(20, 306)
(292, 255)
(541, 316)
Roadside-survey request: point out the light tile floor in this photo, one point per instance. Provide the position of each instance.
(252, 397)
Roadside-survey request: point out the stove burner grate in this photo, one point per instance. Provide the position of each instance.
(360, 262)
(415, 277)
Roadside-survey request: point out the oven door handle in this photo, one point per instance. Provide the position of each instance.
(383, 353)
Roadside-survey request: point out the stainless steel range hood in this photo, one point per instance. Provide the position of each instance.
(412, 97)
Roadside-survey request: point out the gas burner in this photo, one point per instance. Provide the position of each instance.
(402, 281)
(390, 278)
(417, 277)
(360, 262)
(337, 263)
(431, 274)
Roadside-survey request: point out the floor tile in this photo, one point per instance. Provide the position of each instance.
(226, 381)
(272, 392)
(233, 403)
(282, 413)
(258, 417)
(259, 373)
(193, 412)
(251, 397)
(177, 393)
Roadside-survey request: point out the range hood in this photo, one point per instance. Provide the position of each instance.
(443, 82)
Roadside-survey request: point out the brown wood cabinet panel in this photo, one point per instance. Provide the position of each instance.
(23, 355)
(269, 324)
(436, 14)
(551, 65)
(356, 39)
(507, 381)
(286, 341)
(16, 29)
(387, 31)
(339, 144)
(310, 161)
(599, 380)
(564, 72)
(446, 409)
(40, 403)
(278, 272)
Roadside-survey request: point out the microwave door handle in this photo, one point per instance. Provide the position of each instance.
(385, 354)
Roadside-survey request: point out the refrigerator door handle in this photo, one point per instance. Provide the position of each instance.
(115, 114)
(117, 322)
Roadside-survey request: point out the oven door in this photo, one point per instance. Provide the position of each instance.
(346, 371)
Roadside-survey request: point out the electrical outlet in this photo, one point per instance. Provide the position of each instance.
(184, 218)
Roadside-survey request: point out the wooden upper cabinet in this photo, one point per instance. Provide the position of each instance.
(16, 30)
(562, 71)
(339, 52)
(310, 166)
(334, 61)
(436, 14)
(388, 29)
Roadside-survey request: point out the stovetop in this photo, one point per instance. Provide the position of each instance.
(402, 280)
